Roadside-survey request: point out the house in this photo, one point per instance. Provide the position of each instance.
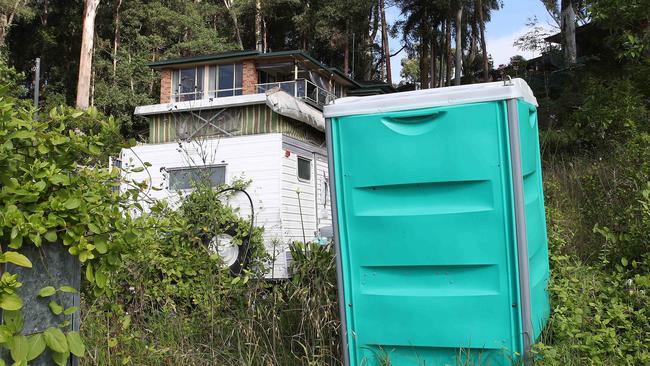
(251, 116)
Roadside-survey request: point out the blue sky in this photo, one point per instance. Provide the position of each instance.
(505, 27)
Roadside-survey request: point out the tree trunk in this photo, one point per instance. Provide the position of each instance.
(3, 28)
(346, 51)
(46, 12)
(235, 22)
(259, 44)
(443, 53)
(424, 64)
(459, 46)
(116, 38)
(432, 60)
(569, 32)
(265, 36)
(448, 52)
(486, 64)
(384, 41)
(86, 56)
(473, 52)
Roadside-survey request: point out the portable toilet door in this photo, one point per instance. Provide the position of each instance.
(439, 225)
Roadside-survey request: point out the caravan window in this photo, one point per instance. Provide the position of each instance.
(304, 169)
(187, 178)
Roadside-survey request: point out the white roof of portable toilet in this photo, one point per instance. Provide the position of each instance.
(437, 97)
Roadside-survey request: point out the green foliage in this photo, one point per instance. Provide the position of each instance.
(611, 111)
(410, 71)
(628, 24)
(599, 317)
(55, 188)
(251, 323)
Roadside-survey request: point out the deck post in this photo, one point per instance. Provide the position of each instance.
(520, 223)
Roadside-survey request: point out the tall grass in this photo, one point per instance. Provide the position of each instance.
(262, 323)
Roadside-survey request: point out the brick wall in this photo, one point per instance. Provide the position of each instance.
(165, 86)
(249, 77)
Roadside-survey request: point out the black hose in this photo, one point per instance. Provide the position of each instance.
(250, 231)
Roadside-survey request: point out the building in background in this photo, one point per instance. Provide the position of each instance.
(248, 116)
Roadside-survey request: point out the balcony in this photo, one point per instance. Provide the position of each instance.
(302, 89)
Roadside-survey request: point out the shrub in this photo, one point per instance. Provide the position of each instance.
(610, 112)
(612, 198)
(598, 317)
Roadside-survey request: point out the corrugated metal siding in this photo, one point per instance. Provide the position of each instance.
(248, 120)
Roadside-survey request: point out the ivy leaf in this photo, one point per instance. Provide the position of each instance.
(17, 259)
(5, 334)
(89, 273)
(69, 311)
(59, 139)
(13, 321)
(47, 291)
(61, 358)
(72, 203)
(10, 302)
(60, 179)
(94, 149)
(16, 242)
(55, 340)
(19, 347)
(100, 245)
(36, 346)
(77, 346)
(50, 236)
(94, 228)
(67, 289)
(100, 279)
(22, 134)
(43, 149)
(55, 307)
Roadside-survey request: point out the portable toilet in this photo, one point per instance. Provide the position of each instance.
(439, 225)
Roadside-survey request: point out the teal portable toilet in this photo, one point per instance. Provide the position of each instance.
(439, 225)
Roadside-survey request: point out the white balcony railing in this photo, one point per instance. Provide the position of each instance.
(300, 88)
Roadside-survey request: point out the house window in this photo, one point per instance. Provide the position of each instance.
(187, 178)
(225, 80)
(188, 84)
(304, 169)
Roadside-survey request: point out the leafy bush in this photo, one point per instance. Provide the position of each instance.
(611, 111)
(599, 317)
(55, 189)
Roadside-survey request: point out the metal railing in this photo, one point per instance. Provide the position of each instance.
(300, 88)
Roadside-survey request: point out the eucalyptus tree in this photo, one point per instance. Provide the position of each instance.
(12, 10)
(86, 56)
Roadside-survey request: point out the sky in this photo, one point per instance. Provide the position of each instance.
(507, 24)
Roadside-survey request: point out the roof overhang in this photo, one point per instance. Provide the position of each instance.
(234, 56)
